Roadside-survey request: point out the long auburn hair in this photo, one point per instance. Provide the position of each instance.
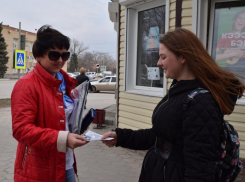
(219, 82)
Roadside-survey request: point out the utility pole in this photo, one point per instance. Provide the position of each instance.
(19, 46)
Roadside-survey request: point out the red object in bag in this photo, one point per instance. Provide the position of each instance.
(99, 118)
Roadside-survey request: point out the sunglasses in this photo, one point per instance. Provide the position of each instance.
(54, 55)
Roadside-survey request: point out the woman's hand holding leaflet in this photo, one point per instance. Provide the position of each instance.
(74, 140)
(110, 143)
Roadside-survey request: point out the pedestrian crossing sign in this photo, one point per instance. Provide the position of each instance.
(103, 68)
(20, 59)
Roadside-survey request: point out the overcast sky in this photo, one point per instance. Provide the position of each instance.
(85, 20)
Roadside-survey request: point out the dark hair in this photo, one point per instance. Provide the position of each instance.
(49, 38)
(219, 82)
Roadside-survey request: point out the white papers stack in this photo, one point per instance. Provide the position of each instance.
(92, 136)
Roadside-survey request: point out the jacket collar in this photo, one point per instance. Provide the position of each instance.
(184, 86)
(50, 81)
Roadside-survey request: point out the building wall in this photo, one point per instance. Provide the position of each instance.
(10, 33)
(135, 111)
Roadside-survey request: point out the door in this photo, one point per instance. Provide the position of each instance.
(112, 84)
(103, 84)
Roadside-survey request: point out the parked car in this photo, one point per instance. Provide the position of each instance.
(107, 83)
(76, 73)
(91, 74)
(72, 75)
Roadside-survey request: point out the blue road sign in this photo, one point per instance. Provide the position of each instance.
(102, 68)
(20, 62)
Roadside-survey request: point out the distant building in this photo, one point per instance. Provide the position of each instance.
(11, 36)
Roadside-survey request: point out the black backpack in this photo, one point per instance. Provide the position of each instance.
(228, 165)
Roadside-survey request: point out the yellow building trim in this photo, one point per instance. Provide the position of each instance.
(121, 125)
(121, 89)
(134, 123)
(142, 98)
(122, 32)
(186, 4)
(172, 14)
(238, 117)
(186, 21)
(121, 76)
(135, 110)
(172, 6)
(241, 135)
(187, 12)
(188, 27)
(121, 70)
(121, 64)
(139, 104)
(136, 117)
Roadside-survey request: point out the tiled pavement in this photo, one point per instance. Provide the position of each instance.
(95, 161)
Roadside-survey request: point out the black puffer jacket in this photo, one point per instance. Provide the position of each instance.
(194, 134)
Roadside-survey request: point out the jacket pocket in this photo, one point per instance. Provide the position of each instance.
(24, 157)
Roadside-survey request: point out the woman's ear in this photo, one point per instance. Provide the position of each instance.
(183, 60)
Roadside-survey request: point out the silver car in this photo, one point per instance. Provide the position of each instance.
(107, 83)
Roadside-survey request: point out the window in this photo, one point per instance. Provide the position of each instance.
(15, 42)
(14, 70)
(113, 79)
(220, 25)
(30, 59)
(228, 37)
(30, 46)
(144, 23)
(150, 25)
(107, 79)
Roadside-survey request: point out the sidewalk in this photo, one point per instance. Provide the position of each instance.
(95, 161)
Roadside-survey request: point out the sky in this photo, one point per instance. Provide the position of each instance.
(85, 20)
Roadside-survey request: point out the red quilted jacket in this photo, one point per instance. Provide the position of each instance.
(38, 115)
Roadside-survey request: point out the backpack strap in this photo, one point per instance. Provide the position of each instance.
(192, 95)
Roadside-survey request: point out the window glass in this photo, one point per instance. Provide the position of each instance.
(107, 79)
(150, 24)
(15, 43)
(30, 47)
(113, 79)
(228, 49)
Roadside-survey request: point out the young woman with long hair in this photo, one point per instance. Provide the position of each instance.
(182, 144)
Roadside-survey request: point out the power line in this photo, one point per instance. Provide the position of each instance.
(100, 43)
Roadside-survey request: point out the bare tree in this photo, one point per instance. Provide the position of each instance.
(89, 59)
(77, 47)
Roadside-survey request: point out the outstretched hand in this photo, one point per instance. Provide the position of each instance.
(110, 143)
(74, 140)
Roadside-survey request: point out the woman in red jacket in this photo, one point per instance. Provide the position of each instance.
(41, 105)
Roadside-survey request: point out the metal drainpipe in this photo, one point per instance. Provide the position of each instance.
(178, 13)
(118, 60)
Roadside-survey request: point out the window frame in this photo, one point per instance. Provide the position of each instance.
(201, 22)
(131, 48)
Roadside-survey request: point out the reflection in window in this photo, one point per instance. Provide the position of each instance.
(150, 23)
(228, 49)
(113, 79)
(106, 80)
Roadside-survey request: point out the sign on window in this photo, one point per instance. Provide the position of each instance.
(150, 24)
(228, 48)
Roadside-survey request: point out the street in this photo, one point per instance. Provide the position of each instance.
(95, 161)
(6, 86)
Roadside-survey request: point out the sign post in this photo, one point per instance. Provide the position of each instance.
(97, 66)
